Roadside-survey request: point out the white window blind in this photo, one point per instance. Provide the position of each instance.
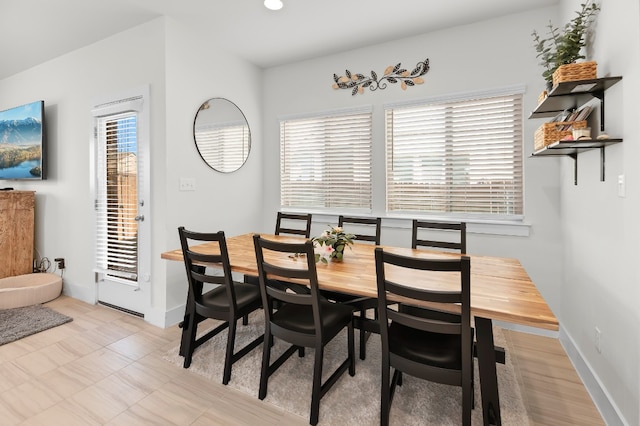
(325, 161)
(224, 146)
(458, 158)
(116, 201)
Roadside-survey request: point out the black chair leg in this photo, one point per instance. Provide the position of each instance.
(363, 337)
(228, 359)
(317, 386)
(191, 330)
(467, 403)
(385, 392)
(351, 350)
(264, 371)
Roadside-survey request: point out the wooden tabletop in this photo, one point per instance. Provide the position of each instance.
(500, 287)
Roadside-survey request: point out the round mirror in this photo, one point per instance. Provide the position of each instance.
(222, 135)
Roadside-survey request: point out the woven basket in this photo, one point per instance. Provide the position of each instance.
(542, 96)
(575, 72)
(549, 133)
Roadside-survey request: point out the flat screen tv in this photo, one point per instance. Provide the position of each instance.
(23, 142)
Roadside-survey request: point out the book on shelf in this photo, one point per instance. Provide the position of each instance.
(583, 114)
(576, 115)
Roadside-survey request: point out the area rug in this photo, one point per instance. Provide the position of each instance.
(16, 323)
(352, 400)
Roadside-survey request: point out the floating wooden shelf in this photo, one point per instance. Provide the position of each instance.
(564, 95)
(574, 147)
(571, 95)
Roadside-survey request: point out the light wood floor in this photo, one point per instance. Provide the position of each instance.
(106, 367)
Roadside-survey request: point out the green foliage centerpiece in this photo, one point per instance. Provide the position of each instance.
(331, 243)
(563, 46)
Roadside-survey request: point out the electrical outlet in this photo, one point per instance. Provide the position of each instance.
(187, 184)
(622, 189)
(598, 340)
(60, 262)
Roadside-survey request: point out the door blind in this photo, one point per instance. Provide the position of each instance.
(116, 201)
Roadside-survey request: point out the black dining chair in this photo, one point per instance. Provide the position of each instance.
(302, 320)
(228, 301)
(365, 229)
(455, 233)
(437, 347)
(288, 224)
(294, 224)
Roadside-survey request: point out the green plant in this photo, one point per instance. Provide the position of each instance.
(564, 46)
(331, 244)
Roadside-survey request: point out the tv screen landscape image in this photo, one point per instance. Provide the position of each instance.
(22, 142)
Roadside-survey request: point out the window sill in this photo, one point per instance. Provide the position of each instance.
(514, 228)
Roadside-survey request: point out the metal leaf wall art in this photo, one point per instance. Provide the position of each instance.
(393, 74)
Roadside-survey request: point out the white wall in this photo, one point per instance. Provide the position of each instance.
(230, 202)
(491, 54)
(601, 230)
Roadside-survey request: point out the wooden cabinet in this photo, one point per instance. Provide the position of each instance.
(16, 232)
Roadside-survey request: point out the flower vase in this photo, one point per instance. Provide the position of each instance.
(338, 252)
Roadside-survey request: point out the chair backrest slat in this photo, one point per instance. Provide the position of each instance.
(362, 223)
(422, 294)
(460, 241)
(302, 269)
(285, 221)
(197, 263)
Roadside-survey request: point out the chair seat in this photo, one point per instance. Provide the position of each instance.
(218, 300)
(299, 318)
(438, 350)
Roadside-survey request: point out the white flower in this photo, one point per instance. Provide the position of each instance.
(322, 252)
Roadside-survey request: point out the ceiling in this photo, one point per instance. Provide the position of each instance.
(35, 31)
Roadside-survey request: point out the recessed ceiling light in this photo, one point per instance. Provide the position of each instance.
(273, 4)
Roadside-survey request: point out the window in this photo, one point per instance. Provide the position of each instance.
(325, 161)
(456, 157)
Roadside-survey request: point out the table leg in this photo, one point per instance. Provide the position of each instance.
(487, 370)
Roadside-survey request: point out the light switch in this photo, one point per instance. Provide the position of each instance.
(187, 184)
(622, 189)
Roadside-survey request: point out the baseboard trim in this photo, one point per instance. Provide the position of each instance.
(601, 398)
(175, 315)
(527, 329)
(165, 319)
(86, 294)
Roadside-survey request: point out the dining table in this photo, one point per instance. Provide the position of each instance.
(501, 290)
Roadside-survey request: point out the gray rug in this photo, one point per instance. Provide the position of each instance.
(17, 323)
(352, 400)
